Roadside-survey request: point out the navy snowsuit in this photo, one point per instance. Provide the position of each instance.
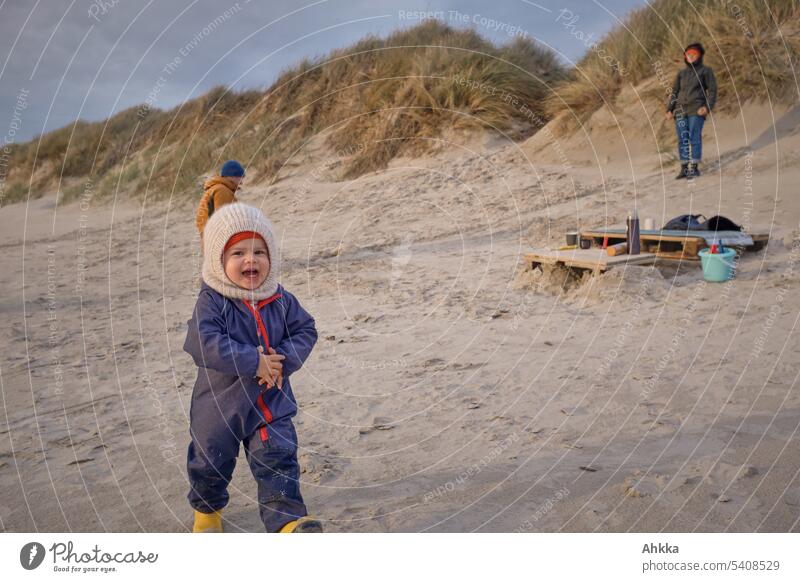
(228, 405)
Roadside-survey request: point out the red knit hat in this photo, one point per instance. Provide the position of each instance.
(240, 236)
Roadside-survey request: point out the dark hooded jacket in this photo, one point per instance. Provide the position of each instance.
(694, 87)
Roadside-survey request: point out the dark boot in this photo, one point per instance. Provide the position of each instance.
(683, 173)
(693, 171)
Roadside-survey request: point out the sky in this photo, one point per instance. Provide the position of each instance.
(88, 59)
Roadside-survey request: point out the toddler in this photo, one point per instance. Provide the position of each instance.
(247, 336)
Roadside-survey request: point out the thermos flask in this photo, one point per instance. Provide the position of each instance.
(633, 234)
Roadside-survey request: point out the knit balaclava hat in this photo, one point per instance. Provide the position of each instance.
(226, 222)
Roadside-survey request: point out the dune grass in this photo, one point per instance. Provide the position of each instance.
(753, 46)
(386, 97)
(375, 100)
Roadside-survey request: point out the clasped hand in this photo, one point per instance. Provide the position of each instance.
(270, 368)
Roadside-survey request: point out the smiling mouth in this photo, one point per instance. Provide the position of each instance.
(250, 274)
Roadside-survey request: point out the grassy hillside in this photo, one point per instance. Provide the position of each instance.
(371, 102)
(753, 46)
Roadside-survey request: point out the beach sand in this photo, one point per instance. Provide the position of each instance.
(451, 389)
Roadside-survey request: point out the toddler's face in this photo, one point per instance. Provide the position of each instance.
(246, 263)
(692, 56)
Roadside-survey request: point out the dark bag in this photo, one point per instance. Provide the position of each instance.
(692, 222)
(686, 222)
(718, 223)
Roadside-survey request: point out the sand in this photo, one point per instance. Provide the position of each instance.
(450, 390)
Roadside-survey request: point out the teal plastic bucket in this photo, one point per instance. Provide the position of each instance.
(718, 267)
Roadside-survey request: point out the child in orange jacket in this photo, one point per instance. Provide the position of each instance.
(218, 191)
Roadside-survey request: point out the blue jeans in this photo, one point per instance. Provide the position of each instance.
(690, 135)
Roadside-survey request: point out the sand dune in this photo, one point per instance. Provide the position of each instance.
(450, 390)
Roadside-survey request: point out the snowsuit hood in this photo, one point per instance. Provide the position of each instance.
(220, 181)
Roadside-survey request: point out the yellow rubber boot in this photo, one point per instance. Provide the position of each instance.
(207, 522)
(303, 525)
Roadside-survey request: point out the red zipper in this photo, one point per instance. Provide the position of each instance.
(267, 416)
(262, 333)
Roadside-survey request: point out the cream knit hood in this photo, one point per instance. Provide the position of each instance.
(223, 224)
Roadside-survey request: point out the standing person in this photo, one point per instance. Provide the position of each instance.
(693, 96)
(247, 336)
(218, 191)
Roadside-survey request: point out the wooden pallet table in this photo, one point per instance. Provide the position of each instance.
(596, 260)
(677, 244)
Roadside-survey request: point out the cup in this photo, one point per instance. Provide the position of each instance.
(648, 224)
(572, 238)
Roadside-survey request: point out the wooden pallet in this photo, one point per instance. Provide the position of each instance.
(596, 260)
(666, 244)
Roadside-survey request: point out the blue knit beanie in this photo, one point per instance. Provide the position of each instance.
(232, 169)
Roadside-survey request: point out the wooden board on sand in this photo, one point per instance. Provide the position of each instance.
(596, 260)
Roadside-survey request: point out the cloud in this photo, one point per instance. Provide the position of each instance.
(98, 57)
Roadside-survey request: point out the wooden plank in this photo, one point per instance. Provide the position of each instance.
(677, 256)
(678, 236)
(653, 235)
(759, 241)
(662, 245)
(593, 259)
